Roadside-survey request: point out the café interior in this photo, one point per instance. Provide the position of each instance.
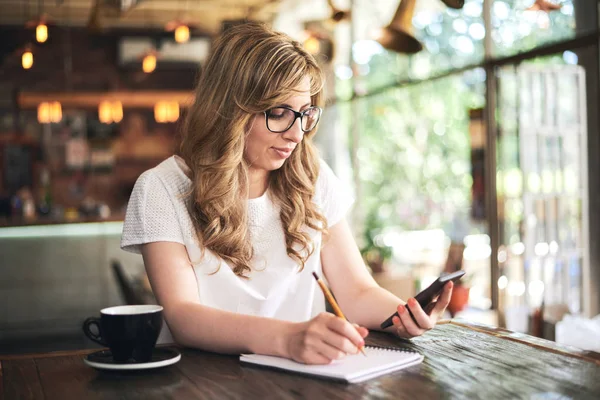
(467, 133)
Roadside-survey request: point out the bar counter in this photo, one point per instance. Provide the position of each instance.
(54, 276)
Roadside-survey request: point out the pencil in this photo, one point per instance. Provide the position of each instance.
(333, 303)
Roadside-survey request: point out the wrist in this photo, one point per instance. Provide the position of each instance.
(282, 338)
(272, 339)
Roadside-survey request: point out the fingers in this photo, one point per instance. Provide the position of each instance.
(443, 300)
(342, 343)
(327, 352)
(314, 357)
(400, 330)
(424, 321)
(346, 332)
(329, 338)
(364, 332)
(325, 338)
(430, 308)
(405, 326)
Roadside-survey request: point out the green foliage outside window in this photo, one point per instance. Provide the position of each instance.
(414, 151)
(414, 145)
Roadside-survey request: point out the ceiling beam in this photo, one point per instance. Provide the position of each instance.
(137, 99)
(207, 14)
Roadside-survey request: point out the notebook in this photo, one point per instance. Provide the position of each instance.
(353, 368)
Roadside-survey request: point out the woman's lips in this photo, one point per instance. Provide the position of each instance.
(283, 152)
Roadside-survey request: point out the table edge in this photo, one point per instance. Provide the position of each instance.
(64, 353)
(501, 333)
(539, 343)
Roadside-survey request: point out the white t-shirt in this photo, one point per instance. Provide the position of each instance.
(157, 212)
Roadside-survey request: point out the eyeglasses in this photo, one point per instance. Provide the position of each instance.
(280, 119)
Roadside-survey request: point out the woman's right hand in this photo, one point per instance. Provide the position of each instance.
(324, 338)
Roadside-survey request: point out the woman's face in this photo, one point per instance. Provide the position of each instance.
(267, 151)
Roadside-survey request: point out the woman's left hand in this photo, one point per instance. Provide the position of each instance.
(406, 327)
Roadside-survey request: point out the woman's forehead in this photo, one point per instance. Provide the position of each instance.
(296, 96)
(302, 89)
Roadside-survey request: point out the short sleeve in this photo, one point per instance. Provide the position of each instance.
(333, 196)
(151, 215)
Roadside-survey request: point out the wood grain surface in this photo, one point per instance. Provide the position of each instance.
(461, 361)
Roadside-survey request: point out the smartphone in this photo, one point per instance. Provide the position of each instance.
(426, 296)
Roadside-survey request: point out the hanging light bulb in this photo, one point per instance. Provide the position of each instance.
(27, 59)
(109, 112)
(160, 112)
(48, 112)
(312, 45)
(55, 112)
(166, 111)
(43, 113)
(104, 112)
(116, 111)
(182, 34)
(41, 33)
(173, 111)
(149, 63)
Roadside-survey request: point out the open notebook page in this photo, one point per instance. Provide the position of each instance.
(352, 368)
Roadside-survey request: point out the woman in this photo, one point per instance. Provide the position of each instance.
(232, 228)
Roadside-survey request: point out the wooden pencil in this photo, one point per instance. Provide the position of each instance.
(333, 303)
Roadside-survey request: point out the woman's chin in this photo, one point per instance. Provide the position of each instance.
(271, 165)
(277, 164)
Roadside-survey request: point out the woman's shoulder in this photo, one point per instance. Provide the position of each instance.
(166, 174)
(332, 194)
(326, 178)
(324, 169)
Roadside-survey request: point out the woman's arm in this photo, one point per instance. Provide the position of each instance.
(192, 324)
(364, 302)
(318, 341)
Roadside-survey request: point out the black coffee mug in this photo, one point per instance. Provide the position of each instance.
(129, 331)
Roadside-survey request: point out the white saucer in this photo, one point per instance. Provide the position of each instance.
(161, 357)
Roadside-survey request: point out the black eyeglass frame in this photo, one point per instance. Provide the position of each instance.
(297, 114)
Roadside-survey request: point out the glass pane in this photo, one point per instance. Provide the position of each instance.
(415, 178)
(450, 38)
(540, 187)
(521, 25)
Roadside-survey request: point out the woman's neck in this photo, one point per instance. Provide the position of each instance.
(259, 182)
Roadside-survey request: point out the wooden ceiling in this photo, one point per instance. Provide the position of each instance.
(203, 15)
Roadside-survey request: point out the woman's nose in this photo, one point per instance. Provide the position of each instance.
(295, 133)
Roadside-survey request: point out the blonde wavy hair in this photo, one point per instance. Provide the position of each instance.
(251, 69)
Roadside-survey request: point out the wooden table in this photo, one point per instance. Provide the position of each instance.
(462, 360)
